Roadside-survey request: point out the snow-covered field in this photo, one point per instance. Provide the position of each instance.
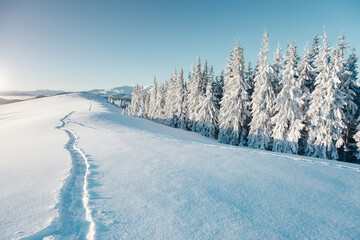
(72, 166)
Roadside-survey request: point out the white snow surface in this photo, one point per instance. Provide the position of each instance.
(73, 167)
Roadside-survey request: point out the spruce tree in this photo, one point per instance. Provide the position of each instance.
(179, 100)
(325, 113)
(249, 78)
(204, 78)
(277, 68)
(347, 87)
(170, 101)
(312, 56)
(153, 99)
(234, 111)
(137, 106)
(262, 100)
(195, 95)
(160, 103)
(288, 118)
(306, 74)
(208, 113)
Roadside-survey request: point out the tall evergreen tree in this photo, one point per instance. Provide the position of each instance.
(234, 110)
(249, 77)
(219, 87)
(146, 101)
(184, 116)
(153, 99)
(204, 78)
(262, 100)
(351, 67)
(208, 113)
(192, 95)
(170, 101)
(306, 73)
(325, 112)
(277, 68)
(312, 56)
(288, 118)
(137, 106)
(347, 87)
(179, 100)
(160, 103)
(195, 94)
(315, 49)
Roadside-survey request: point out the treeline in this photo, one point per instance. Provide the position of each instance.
(306, 106)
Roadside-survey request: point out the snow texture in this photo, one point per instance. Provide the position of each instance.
(135, 179)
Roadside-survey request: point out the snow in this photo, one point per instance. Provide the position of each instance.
(129, 178)
(33, 162)
(15, 97)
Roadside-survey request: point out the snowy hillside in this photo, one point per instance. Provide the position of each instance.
(73, 167)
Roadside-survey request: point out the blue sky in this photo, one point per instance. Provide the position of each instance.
(76, 45)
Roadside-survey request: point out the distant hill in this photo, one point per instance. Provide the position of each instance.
(7, 101)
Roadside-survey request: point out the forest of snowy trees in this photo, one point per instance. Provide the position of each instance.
(307, 106)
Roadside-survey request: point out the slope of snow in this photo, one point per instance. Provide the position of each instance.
(134, 179)
(33, 162)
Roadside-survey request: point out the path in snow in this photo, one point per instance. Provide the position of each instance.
(75, 220)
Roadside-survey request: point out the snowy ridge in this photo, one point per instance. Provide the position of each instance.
(75, 220)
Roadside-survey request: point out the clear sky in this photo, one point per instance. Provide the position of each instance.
(78, 45)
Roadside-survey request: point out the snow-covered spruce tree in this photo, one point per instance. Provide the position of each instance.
(234, 111)
(208, 113)
(306, 74)
(179, 101)
(312, 56)
(204, 78)
(351, 67)
(137, 107)
(347, 87)
(170, 101)
(184, 116)
(357, 140)
(132, 107)
(153, 99)
(315, 49)
(218, 87)
(146, 101)
(277, 68)
(160, 103)
(207, 78)
(288, 118)
(190, 97)
(195, 95)
(325, 113)
(262, 100)
(249, 78)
